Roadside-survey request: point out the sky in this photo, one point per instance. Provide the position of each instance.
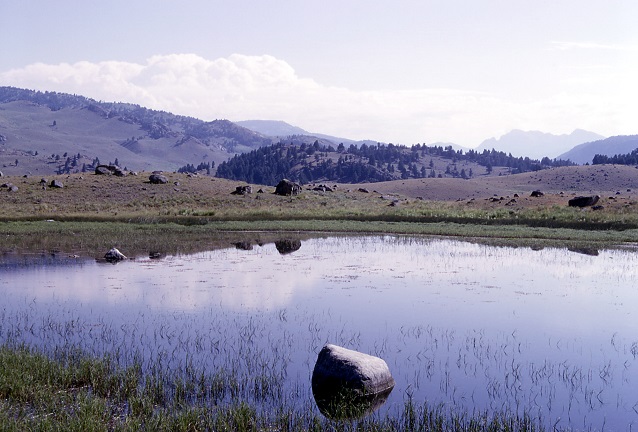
(398, 71)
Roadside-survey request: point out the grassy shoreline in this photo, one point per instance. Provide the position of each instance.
(94, 238)
(191, 213)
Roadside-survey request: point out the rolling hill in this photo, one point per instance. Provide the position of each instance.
(324, 162)
(47, 132)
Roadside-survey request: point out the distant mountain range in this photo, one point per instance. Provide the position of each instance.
(281, 129)
(537, 145)
(616, 145)
(272, 127)
(532, 144)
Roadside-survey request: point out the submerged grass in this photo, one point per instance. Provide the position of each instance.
(77, 392)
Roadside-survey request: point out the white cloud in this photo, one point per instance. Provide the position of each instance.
(263, 87)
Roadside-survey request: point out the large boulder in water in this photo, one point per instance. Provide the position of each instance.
(583, 201)
(114, 255)
(347, 383)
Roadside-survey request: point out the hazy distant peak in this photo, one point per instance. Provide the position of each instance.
(537, 144)
(615, 145)
(448, 144)
(278, 128)
(272, 127)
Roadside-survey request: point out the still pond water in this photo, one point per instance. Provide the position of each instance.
(549, 332)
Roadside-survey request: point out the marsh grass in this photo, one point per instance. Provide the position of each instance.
(233, 374)
(69, 373)
(78, 392)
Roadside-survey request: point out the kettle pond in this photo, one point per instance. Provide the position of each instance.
(545, 332)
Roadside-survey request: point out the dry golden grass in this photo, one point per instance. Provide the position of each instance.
(193, 213)
(504, 199)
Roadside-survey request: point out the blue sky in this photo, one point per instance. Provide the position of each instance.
(400, 71)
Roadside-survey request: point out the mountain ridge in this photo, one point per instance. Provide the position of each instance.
(537, 144)
(611, 146)
(281, 129)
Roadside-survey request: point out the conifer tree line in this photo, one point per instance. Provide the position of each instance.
(630, 158)
(306, 163)
(203, 166)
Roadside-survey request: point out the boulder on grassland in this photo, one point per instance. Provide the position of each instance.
(583, 201)
(157, 179)
(287, 187)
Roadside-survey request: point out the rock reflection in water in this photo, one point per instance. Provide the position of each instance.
(584, 250)
(243, 245)
(346, 405)
(286, 246)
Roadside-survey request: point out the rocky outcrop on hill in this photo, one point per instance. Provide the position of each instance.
(109, 170)
(286, 187)
(10, 187)
(242, 190)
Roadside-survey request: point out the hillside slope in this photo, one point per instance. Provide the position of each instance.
(46, 132)
(323, 162)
